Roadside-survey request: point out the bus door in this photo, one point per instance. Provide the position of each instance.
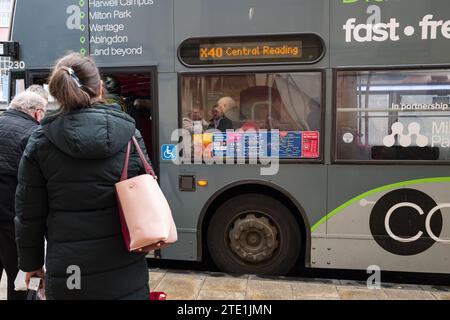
(134, 90)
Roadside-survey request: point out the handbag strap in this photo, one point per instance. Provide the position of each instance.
(147, 166)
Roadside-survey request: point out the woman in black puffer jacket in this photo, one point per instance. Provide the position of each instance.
(66, 192)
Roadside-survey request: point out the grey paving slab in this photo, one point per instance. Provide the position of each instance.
(225, 284)
(306, 290)
(181, 287)
(189, 275)
(441, 295)
(357, 293)
(221, 295)
(316, 298)
(398, 294)
(270, 278)
(155, 278)
(268, 290)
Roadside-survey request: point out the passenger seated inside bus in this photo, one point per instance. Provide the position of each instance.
(194, 122)
(219, 121)
(231, 110)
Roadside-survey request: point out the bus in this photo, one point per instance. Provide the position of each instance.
(352, 96)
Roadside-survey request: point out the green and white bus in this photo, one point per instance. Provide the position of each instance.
(359, 91)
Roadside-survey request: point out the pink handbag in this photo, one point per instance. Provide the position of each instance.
(145, 216)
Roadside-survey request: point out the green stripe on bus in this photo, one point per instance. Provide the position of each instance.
(374, 191)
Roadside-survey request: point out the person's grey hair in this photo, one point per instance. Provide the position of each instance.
(228, 101)
(27, 102)
(39, 90)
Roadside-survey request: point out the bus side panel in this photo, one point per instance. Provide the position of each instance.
(359, 45)
(209, 18)
(185, 248)
(41, 29)
(306, 184)
(370, 228)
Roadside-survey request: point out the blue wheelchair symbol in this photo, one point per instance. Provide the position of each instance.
(168, 152)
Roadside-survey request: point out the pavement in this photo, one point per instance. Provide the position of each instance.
(187, 285)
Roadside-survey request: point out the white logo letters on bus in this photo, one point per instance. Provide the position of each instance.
(375, 30)
(421, 212)
(428, 222)
(388, 218)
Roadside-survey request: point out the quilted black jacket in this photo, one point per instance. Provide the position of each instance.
(66, 194)
(16, 128)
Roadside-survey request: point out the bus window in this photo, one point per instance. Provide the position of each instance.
(393, 115)
(288, 102)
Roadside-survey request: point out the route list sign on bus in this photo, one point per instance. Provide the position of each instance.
(122, 30)
(111, 26)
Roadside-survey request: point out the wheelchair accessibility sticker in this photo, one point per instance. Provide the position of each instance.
(168, 152)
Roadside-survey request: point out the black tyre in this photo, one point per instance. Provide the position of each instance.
(254, 234)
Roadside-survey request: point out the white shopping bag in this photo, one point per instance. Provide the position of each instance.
(34, 290)
(19, 283)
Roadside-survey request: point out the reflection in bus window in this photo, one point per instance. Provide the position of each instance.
(289, 102)
(393, 115)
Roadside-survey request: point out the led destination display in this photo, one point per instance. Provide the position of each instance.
(271, 49)
(251, 51)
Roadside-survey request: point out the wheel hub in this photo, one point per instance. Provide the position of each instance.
(253, 239)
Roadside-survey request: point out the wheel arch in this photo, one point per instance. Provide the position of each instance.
(251, 186)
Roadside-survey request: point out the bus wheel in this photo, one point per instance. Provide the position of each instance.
(254, 234)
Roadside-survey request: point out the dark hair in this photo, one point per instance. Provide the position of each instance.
(75, 82)
(112, 85)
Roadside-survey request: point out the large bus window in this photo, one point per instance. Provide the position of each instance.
(288, 102)
(393, 115)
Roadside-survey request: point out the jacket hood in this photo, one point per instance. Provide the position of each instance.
(98, 132)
